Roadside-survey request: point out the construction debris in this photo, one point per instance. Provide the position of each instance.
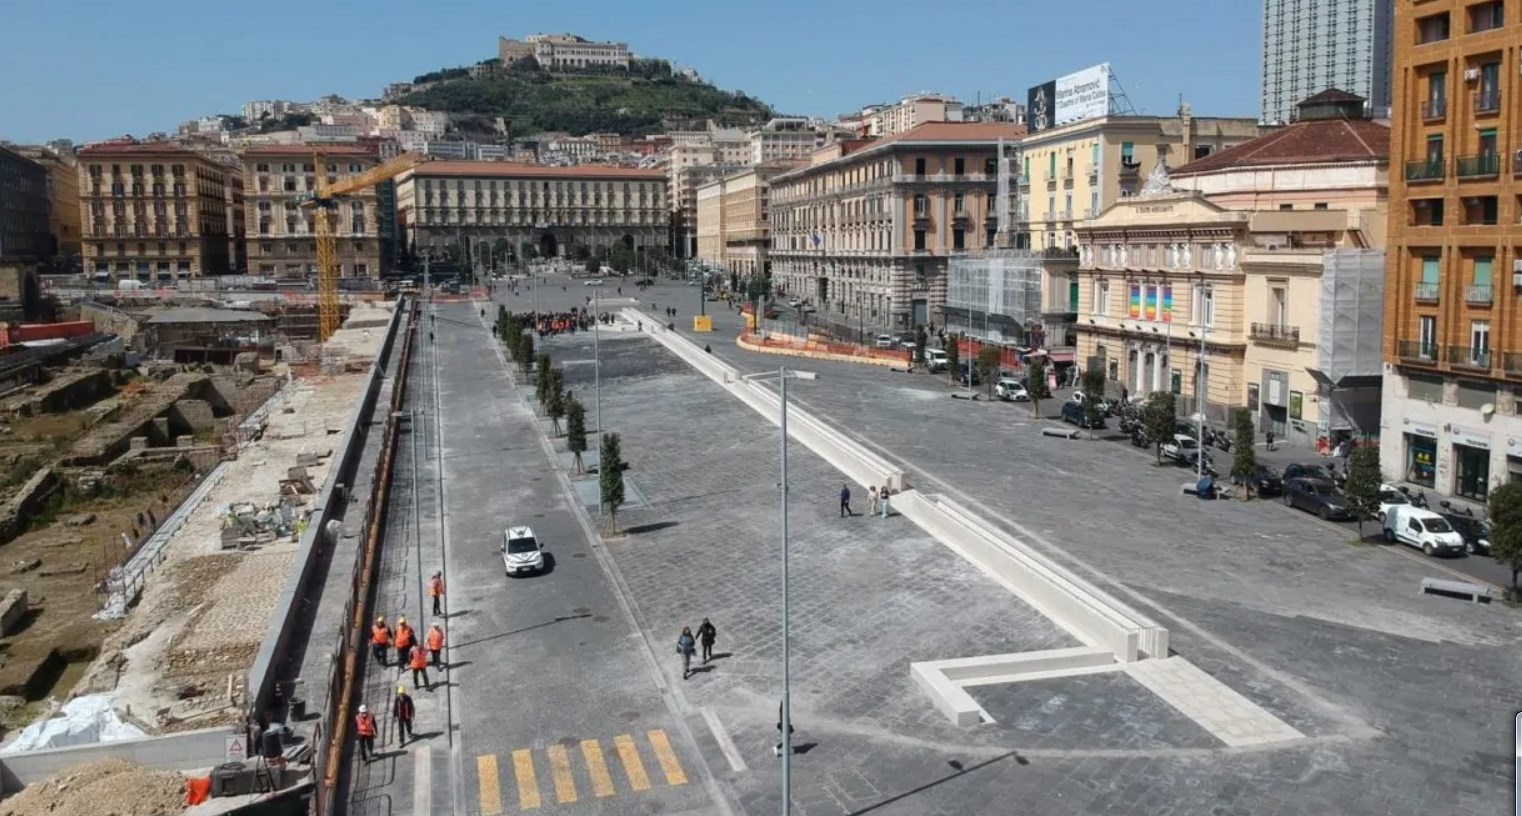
(108, 787)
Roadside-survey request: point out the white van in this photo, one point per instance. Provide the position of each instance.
(937, 359)
(1423, 529)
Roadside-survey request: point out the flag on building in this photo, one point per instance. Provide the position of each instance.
(816, 239)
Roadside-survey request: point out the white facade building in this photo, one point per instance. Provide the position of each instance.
(1312, 45)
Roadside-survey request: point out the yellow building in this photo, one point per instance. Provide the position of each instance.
(1071, 173)
(63, 198)
(734, 219)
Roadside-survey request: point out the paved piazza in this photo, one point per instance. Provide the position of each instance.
(1405, 703)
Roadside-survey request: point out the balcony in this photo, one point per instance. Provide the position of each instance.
(1431, 170)
(1416, 351)
(1426, 292)
(1511, 363)
(1129, 168)
(1275, 334)
(1466, 357)
(1487, 101)
(1479, 294)
(1485, 165)
(1434, 109)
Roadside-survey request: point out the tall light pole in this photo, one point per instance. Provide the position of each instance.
(785, 723)
(1199, 400)
(597, 380)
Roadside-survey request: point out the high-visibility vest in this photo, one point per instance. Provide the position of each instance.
(435, 639)
(404, 637)
(365, 722)
(436, 587)
(380, 635)
(419, 658)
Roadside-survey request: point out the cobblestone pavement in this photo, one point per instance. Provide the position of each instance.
(1404, 701)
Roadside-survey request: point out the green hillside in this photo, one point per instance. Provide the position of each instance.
(646, 99)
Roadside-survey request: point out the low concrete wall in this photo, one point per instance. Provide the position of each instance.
(745, 342)
(173, 752)
(327, 507)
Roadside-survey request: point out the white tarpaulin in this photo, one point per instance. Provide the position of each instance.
(82, 721)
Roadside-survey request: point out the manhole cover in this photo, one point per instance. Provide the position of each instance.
(581, 610)
(599, 618)
(538, 515)
(631, 716)
(654, 807)
(578, 555)
(568, 741)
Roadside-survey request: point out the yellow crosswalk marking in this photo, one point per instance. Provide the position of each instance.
(528, 786)
(667, 757)
(629, 756)
(560, 771)
(602, 782)
(490, 785)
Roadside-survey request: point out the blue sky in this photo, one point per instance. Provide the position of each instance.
(92, 69)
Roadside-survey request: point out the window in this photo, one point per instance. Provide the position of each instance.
(1427, 212)
(1127, 151)
(921, 205)
(958, 239)
(1102, 297)
(1201, 151)
(1286, 206)
(959, 203)
(1488, 98)
(1051, 206)
(1432, 28)
(1481, 210)
(1435, 151)
(1486, 16)
(1479, 342)
(959, 167)
(1278, 305)
(1067, 212)
(1437, 95)
(919, 240)
(919, 167)
(1204, 305)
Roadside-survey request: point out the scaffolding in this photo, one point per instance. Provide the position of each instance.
(994, 296)
(1349, 340)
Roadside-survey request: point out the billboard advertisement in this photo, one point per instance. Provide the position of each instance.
(1073, 98)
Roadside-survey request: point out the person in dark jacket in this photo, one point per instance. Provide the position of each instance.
(845, 501)
(777, 749)
(707, 634)
(404, 710)
(685, 646)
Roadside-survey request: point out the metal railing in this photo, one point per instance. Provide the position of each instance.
(1275, 334)
(1428, 170)
(1434, 109)
(1485, 164)
(1416, 351)
(1511, 363)
(1469, 357)
(1426, 292)
(1488, 101)
(1479, 294)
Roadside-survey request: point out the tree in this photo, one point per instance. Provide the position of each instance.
(953, 356)
(555, 399)
(989, 358)
(542, 380)
(754, 290)
(581, 253)
(525, 352)
(1158, 420)
(1362, 485)
(1036, 384)
(1092, 384)
(610, 475)
(576, 430)
(921, 337)
(1244, 456)
(1506, 528)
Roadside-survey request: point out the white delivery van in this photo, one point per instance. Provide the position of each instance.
(937, 359)
(1423, 529)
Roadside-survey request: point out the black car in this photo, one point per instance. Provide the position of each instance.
(1265, 481)
(1073, 412)
(969, 378)
(1308, 471)
(1317, 496)
(1476, 532)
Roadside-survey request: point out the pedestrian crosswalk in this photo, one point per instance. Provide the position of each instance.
(569, 771)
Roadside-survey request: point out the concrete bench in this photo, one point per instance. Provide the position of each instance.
(1060, 431)
(1455, 589)
(949, 698)
(945, 682)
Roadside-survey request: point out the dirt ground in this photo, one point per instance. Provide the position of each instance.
(108, 786)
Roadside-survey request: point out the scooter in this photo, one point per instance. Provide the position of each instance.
(1448, 506)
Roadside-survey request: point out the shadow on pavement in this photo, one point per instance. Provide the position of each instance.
(500, 635)
(956, 765)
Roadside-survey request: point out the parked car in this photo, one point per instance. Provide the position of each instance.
(1474, 531)
(1389, 497)
(1317, 496)
(1308, 471)
(1074, 413)
(593, 282)
(884, 341)
(1265, 481)
(1182, 449)
(522, 551)
(968, 376)
(1423, 529)
(795, 303)
(1011, 390)
(936, 360)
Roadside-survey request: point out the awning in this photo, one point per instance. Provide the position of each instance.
(1062, 355)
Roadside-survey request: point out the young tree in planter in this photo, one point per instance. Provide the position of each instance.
(989, 358)
(542, 380)
(1158, 420)
(1505, 507)
(555, 402)
(953, 357)
(576, 430)
(921, 337)
(1244, 457)
(610, 475)
(1092, 385)
(525, 352)
(1036, 384)
(1362, 485)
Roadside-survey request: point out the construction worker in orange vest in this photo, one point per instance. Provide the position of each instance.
(435, 643)
(364, 724)
(436, 591)
(419, 666)
(380, 640)
(404, 640)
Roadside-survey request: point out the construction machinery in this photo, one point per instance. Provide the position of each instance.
(324, 202)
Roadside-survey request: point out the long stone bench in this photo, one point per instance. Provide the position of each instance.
(945, 682)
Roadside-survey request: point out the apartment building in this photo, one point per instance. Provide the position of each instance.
(1311, 45)
(1072, 172)
(154, 211)
(911, 112)
(1452, 417)
(63, 197)
(734, 220)
(564, 52)
(24, 208)
(865, 230)
(784, 139)
(541, 210)
(1250, 278)
(282, 238)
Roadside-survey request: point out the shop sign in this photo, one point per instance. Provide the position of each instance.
(1426, 429)
(1468, 438)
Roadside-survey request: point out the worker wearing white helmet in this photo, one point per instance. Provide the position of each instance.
(364, 727)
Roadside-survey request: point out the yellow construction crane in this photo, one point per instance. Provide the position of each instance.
(324, 202)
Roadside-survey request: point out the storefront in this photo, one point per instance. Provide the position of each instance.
(1471, 462)
(1421, 454)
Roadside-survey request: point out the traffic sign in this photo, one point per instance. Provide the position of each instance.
(237, 749)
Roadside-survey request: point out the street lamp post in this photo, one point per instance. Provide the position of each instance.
(783, 374)
(597, 380)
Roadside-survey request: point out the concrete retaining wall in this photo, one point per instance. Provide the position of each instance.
(173, 752)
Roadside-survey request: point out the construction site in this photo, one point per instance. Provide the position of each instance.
(154, 487)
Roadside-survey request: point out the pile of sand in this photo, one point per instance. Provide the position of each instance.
(108, 787)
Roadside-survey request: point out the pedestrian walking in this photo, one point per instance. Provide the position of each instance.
(380, 640)
(403, 640)
(707, 634)
(882, 496)
(1268, 433)
(783, 740)
(685, 646)
(436, 592)
(364, 730)
(419, 666)
(404, 710)
(872, 497)
(435, 644)
(845, 501)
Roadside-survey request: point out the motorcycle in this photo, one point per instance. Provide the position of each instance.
(1448, 507)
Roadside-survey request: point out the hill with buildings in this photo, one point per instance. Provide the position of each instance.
(646, 97)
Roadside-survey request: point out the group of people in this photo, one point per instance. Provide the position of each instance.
(412, 653)
(879, 498)
(687, 644)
